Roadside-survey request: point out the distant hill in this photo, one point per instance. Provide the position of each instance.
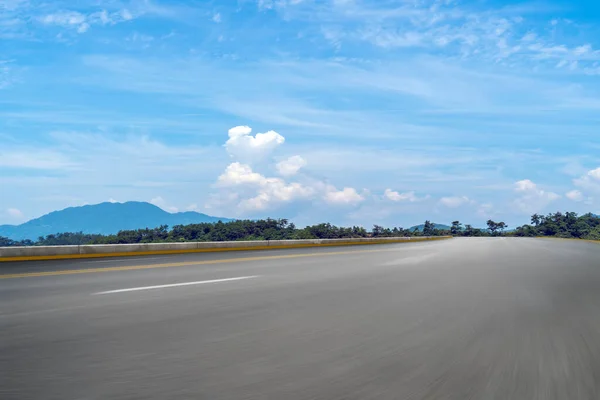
(436, 226)
(103, 218)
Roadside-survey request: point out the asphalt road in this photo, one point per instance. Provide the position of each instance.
(488, 318)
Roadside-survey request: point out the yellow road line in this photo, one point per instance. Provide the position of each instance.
(186, 264)
(208, 250)
(573, 239)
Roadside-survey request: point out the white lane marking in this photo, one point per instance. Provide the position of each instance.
(239, 278)
(122, 259)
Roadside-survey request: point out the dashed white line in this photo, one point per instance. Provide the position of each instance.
(135, 289)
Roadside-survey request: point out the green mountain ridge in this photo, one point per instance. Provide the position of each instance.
(104, 218)
(436, 226)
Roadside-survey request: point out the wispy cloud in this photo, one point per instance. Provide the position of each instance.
(499, 34)
(532, 198)
(387, 107)
(17, 16)
(82, 22)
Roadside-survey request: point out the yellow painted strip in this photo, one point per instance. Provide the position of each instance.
(207, 250)
(185, 264)
(575, 239)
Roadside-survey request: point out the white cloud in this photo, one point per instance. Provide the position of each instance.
(290, 166)
(533, 199)
(455, 201)
(15, 213)
(278, 4)
(241, 145)
(266, 192)
(346, 196)
(122, 166)
(275, 192)
(111, 200)
(256, 192)
(525, 186)
(574, 195)
(396, 196)
(217, 18)
(580, 50)
(486, 210)
(162, 203)
(192, 207)
(496, 34)
(528, 188)
(590, 181)
(239, 174)
(83, 27)
(82, 22)
(589, 184)
(126, 15)
(33, 159)
(102, 16)
(63, 18)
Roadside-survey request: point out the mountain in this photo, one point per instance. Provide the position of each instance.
(436, 226)
(104, 218)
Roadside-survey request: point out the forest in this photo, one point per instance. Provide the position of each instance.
(561, 225)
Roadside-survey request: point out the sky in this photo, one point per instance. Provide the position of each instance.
(354, 112)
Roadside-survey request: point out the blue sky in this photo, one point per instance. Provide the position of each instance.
(348, 111)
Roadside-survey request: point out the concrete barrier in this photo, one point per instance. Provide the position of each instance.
(29, 253)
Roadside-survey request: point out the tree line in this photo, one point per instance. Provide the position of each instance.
(267, 229)
(568, 225)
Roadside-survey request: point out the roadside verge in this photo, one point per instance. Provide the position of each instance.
(33, 253)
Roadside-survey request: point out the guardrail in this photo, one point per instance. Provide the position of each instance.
(29, 253)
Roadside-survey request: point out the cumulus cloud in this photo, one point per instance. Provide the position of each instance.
(532, 198)
(267, 191)
(574, 195)
(525, 186)
(455, 201)
(238, 174)
(590, 181)
(162, 203)
(274, 192)
(243, 146)
(249, 191)
(15, 213)
(290, 166)
(346, 196)
(398, 197)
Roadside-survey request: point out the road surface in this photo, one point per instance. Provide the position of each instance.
(474, 318)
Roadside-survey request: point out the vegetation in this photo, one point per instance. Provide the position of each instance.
(567, 225)
(269, 229)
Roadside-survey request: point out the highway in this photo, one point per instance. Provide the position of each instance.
(472, 318)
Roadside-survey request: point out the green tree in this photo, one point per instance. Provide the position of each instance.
(502, 226)
(428, 228)
(456, 227)
(6, 242)
(492, 226)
